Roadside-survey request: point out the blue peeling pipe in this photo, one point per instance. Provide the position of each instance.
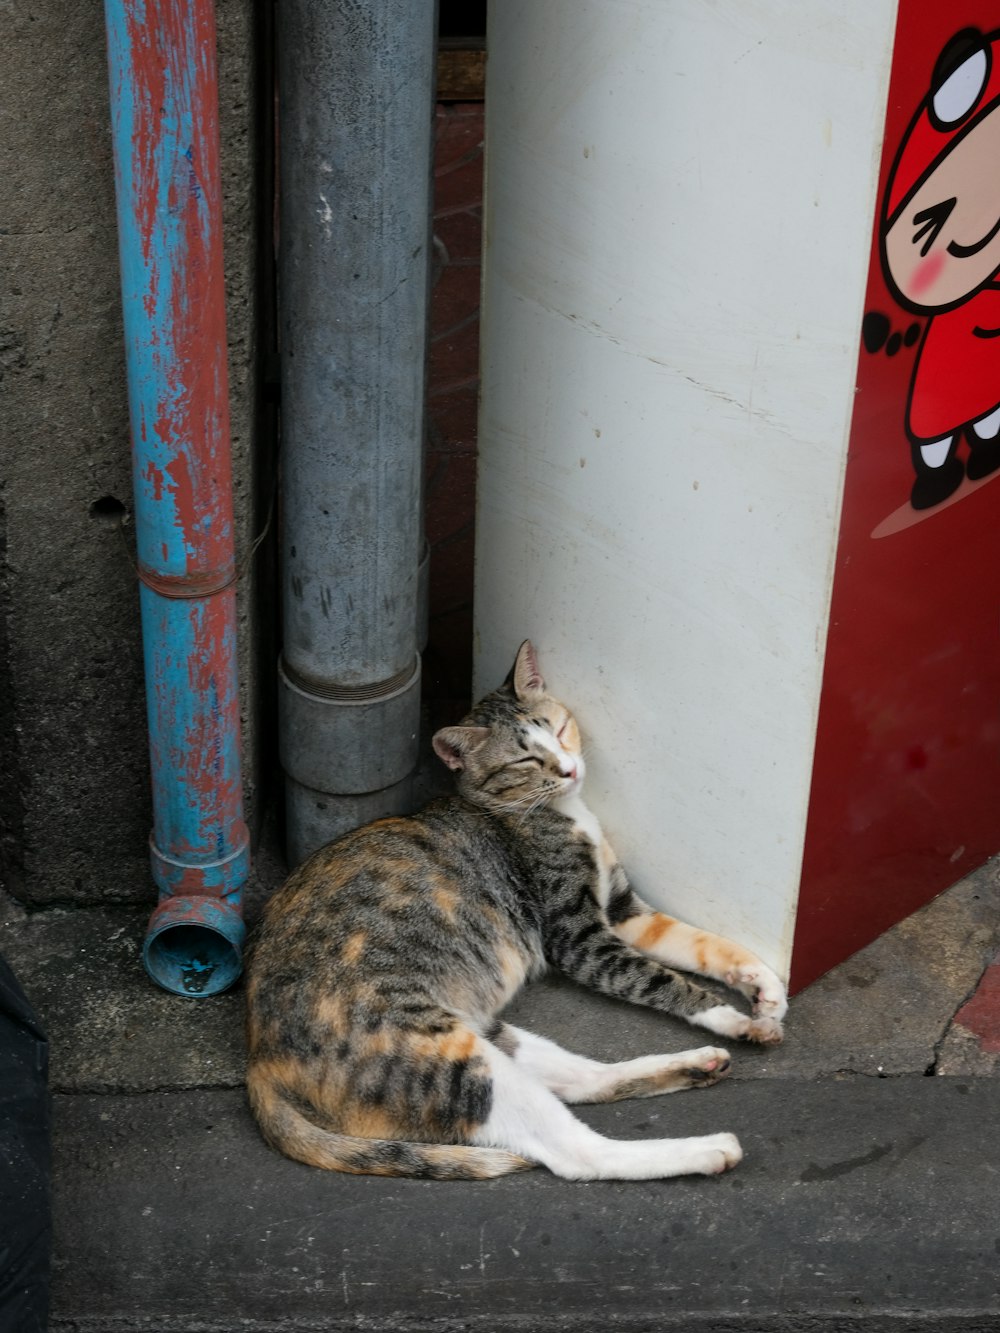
(164, 113)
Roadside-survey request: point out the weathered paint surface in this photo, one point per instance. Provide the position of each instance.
(199, 842)
(165, 127)
(980, 1015)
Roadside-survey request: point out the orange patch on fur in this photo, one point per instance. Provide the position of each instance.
(493, 917)
(330, 1013)
(446, 900)
(457, 1045)
(654, 932)
(729, 959)
(253, 1030)
(715, 956)
(371, 1122)
(354, 947)
(380, 1042)
(266, 1077)
(512, 967)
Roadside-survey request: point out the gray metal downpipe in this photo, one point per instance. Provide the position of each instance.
(356, 87)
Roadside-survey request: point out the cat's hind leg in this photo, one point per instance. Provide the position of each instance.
(577, 1079)
(528, 1119)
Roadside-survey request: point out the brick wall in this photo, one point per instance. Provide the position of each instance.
(453, 391)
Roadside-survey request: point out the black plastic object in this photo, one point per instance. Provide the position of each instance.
(25, 1163)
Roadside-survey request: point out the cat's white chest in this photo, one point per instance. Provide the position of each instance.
(585, 822)
(582, 816)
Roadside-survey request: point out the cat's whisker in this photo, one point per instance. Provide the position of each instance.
(527, 805)
(540, 800)
(528, 798)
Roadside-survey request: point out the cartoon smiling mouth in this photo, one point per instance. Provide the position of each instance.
(963, 251)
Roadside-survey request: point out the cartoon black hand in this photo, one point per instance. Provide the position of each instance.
(876, 333)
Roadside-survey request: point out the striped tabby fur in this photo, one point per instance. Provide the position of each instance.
(380, 967)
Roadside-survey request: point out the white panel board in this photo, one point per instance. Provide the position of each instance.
(679, 203)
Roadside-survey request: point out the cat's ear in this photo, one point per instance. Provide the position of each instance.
(453, 744)
(525, 678)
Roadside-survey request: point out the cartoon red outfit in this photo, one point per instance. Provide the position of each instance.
(956, 380)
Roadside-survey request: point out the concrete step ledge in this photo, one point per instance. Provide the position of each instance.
(859, 1199)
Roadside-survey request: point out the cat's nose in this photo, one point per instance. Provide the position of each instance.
(569, 770)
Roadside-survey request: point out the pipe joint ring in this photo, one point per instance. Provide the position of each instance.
(188, 586)
(347, 742)
(210, 876)
(353, 694)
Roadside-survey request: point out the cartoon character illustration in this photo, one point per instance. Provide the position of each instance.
(940, 243)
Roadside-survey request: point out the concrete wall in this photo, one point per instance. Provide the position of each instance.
(74, 785)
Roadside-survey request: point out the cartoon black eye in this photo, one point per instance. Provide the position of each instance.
(961, 90)
(929, 222)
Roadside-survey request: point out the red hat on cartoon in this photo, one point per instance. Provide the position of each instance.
(965, 86)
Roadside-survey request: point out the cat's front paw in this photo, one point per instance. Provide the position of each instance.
(729, 1022)
(760, 985)
(766, 1031)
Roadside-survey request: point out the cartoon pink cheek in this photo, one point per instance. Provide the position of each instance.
(927, 273)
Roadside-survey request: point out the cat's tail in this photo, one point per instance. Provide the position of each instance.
(290, 1132)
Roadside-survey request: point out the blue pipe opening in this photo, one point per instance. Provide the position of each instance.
(194, 946)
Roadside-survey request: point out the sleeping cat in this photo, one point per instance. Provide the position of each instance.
(380, 967)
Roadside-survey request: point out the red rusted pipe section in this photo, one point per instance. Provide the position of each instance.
(164, 104)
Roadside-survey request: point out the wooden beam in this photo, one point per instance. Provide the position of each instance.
(461, 72)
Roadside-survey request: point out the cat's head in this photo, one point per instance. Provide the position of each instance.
(518, 747)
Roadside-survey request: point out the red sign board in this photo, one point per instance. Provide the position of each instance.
(906, 781)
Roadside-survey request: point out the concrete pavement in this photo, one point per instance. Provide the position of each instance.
(869, 1196)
